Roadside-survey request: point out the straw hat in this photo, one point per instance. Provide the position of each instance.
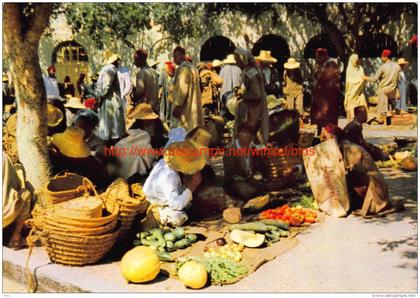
(273, 102)
(186, 156)
(74, 103)
(54, 115)
(402, 61)
(265, 56)
(71, 143)
(143, 111)
(230, 59)
(110, 57)
(216, 63)
(291, 64)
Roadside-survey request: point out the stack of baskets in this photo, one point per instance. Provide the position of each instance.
(77, 231)
(130, 204)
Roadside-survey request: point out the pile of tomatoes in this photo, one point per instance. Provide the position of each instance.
(294, 216)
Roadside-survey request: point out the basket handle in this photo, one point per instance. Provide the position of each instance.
(88, 184)
(107, 192)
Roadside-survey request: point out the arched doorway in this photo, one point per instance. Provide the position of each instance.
(319, 41)
(372, 45)
(278, 47)
(70, 59)
(216, 47)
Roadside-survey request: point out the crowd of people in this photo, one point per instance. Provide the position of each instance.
(188, 106)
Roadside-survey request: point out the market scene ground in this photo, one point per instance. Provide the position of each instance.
(339, 255)
(210, 147)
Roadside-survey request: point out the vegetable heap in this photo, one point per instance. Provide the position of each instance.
(228, 251)
(221, 271)
(294, 216)
(167, 240)
(254, 234)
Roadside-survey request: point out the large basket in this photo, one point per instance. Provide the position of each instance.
(77, 250)
(280, 171)
(129, 205)
(62, 188)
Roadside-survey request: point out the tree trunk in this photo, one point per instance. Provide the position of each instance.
(21, 35)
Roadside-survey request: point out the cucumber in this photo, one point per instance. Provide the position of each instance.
(276, 222)
(192, 237)
(180, 244)
(272, 228)
(169, 237)
(161, 249)
(252, 226)
(179, 233)
(164, 256)
(150, 242)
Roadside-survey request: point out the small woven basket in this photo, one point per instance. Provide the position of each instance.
(62, 188)
(118, 194)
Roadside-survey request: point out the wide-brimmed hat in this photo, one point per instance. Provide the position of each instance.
(273, 102)
(291, 64)
(143, 111)
(54, 115)
(71, 143)
(110, 57)
(216, 63)
(265, 56)
(402, 61)
(230, 59)
(189, 156)
(74, 103)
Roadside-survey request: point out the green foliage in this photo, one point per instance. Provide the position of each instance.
(117, 21)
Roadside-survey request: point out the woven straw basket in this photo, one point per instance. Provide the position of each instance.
(77, 250)
(118, 194)
(62, 188)
(74, 240)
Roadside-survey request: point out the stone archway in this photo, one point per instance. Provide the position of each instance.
(319, 41)
(70, 59)
(216, 47)
(278, 47)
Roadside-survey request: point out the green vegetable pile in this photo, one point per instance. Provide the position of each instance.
(306, 202)
(221, 271)
(167, 240)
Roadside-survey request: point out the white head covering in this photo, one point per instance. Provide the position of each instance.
(354, 73)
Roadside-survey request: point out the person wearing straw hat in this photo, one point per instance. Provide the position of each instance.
(388, 75)
(325, 96)
(109, 103)
(216, 65)
(231, 75)
(210, 95)
(402, 86)
(8, 97)
(187, 106)
(147, 120)
(174, 179)
(72, 105)
(70, 152)
(145, 134)
(271, 75)
(293, 85)
(147, 82)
